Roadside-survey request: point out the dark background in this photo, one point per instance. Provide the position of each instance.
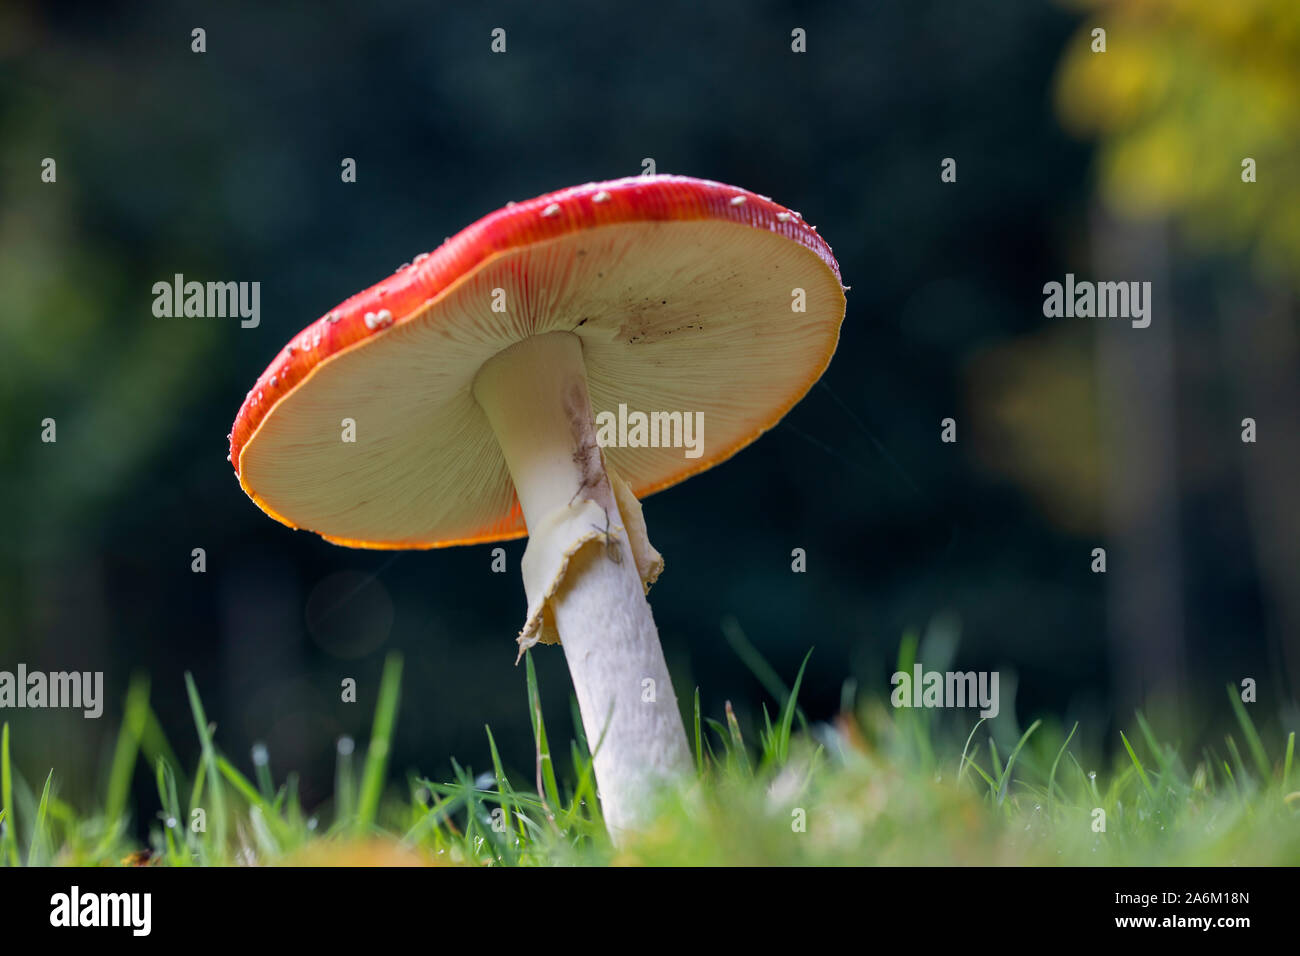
(1073, 433)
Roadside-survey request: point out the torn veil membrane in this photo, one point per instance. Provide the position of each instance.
(564, 532)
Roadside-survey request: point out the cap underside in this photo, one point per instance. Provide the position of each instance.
(674, 316)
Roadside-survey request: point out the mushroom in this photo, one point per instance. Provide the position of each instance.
(487, 386)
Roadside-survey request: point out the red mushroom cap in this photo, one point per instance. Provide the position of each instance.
(679, 288)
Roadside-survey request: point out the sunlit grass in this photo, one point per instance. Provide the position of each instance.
(875, 785)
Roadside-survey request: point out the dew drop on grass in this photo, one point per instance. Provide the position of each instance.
(260, 756)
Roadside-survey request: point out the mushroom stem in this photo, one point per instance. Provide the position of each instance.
(535, 397)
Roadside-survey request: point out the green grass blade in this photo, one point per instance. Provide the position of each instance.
(1286, 763)
(579, 732)
(128, 746)
(995, 762)
(292, 803)
(1237, 759)
(381, 735)
(757, 664)
(699, 747)
(1253, 742)
(168, 799)
(1232, 781)
(546, 784)
(787, 713)
(241, 784)
(961, 767)
(10, 848)
(752, 659)
(1089, 780)
(907, 652)
(1142, 774)
(38, 831)
(508, 801)
(584, 794)
(992, 784)
(1051, 777)
(1005, 780)
(1163, 762)
(766, 736)
(737, 748)
(154, 744)
(200, 776)
(721, 731)
(217, 818)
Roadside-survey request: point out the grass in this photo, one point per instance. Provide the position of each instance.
(875, 785)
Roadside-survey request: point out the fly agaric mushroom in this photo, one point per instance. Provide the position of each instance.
(469, 378)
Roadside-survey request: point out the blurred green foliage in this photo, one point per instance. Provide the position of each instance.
(1185, 91)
